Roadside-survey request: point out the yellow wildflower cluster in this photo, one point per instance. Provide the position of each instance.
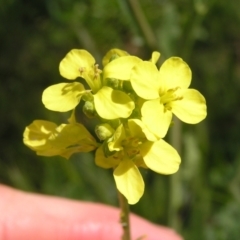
(133, 101)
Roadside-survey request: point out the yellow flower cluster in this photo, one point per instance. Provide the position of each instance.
(133, 101)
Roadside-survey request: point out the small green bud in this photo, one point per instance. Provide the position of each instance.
(87, 96)
(104, 131)
(113, 83)
(89, 109)
(114, 56)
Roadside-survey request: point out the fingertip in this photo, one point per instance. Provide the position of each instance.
(142, 227)
(33, 216)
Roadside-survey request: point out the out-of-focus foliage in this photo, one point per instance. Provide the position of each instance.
(201, 201)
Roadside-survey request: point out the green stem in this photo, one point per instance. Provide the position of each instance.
(124, 217)
(143, 24)
(175, 199)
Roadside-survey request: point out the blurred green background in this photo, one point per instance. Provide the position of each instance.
(201, 201)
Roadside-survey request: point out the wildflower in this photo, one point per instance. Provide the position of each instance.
(134, 102)
(80, 63)
(130, 149)
(64, 97)
(165, 90)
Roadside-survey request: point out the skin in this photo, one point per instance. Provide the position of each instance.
(33, 216)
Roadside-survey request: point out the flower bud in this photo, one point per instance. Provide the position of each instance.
(104, 131)
(87, 96)
(113, 83)
(89, 109)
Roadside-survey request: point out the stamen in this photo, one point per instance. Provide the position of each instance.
(131, 146)
(170, 96)
(180, 98)
(81, 70)
(167, 108)
(97, 71)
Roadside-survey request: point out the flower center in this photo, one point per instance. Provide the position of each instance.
(131, 146)
(170, 96)
(92, 76)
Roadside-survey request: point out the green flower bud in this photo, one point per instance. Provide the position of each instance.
(87, 96)
(89, 109)
(113, 83)
(104, 131)
(114, 56)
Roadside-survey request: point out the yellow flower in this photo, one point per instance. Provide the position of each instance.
(167, 92)
(80, 63)
(129, 148)
(48, 139)
(62, 97)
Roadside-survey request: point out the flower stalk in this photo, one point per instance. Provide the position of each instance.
(124, 217)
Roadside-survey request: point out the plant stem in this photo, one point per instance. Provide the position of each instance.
(143, 24)
(175, 198)
(124, 217)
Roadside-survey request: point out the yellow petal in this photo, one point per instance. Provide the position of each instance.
(160, 157)
(129, 181)
(105, 162)
(192, 108)
(120, 68)
(175, 73)
(113, 104)
(116, 141)
(138, 129)
(156, 118)
(69, 139)
(63, 97)
(113, 54)
(47, 139)
(155, 57)
(144, 80)
(36, 134)
(74, 134)
(76, 61)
